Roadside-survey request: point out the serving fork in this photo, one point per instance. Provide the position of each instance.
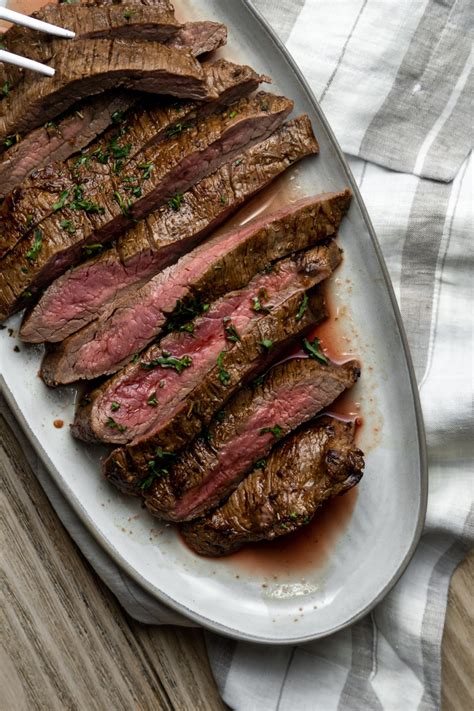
(17, 18)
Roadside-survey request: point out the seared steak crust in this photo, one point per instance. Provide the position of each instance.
(106, 200)
(88, 67)
(302, 473)
(257, 417)
(128, 467)
(226, 262)
(79, 296)
(139, 129)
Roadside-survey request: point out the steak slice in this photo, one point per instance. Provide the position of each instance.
(303, 472)
(199, 37)
(230, 326)
(201, 477)
(80, 126)
(88, 67)
(79, 295)
(102, 206)
(57, 141)
(128, 467)
(139, 129)
(224, 263)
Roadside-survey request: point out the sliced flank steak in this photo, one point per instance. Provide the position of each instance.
(57, 141)
(231, 327)
(130, 467)
(153, 121)
(224, 263)
(80, 295)
(253, 422)
(283, 492)
(88, 67)
(108, 198)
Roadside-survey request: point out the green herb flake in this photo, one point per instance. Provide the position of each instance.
(302, 308)
(91, 249)
(62, 201)
(173, 131)
(223, 200)
(293, 516)
(68, 225)
(125, 208)
(114, 406)
(152, 401)
(257, 304)
(146, 169)
(238, 162)
(27, 294)
(232, 334)
(276, 431)
(135, 358)
(115, 425)
(260, 464)
(266, 343)
(128, 14)
(312, 348)
(224, 376)
(168, 361)
(5, 88)
(80, 203)
(32, 253)
(175, 202)
(232, 114)
(117, 117)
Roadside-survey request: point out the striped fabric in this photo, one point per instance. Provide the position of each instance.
(395, 82)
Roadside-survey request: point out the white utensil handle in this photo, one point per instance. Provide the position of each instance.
(25, 21)
(18, 61)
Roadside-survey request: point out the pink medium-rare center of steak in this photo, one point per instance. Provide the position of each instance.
(227, 321)
(293, 393)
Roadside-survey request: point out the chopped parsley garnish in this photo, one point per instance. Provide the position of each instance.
(168, 361)
(82, 160)
(115, 425)
(62, 201)
(184, 314)
(224, 376)
(313, 350)
(68, 225)
(260, 464)
(51, 124)
(154, 467)
(232, 334)
(114, 406)
(91, 249)
(125, 208)
(5, 88)
(27, 293)
(175, 202)
(128, 14)
(146, 168)
(177, 129)
(257, 304)
(266, 343)
(32, 253)
(10, 141)
(79, 203)
(135, 358)
(302, 308)
(239, 161)
(223, 200)
(117, 117)
(152, 401)
(293, 516)
(232, 114)
(276, 431)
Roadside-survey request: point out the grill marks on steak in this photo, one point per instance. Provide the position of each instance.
(293, 393)
(303, 472)
(57, 142)
(224, 263)
(102, 204)
(88, 67)
(230, 329)
(129, 467)
(79, 296)
(139, 129)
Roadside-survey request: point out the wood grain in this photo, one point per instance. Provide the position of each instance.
(67, 644)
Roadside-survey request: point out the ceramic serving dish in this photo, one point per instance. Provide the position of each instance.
(342, 565)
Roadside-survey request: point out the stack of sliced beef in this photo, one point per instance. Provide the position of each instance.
(111, 195)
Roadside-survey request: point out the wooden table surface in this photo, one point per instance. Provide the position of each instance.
(67, 644)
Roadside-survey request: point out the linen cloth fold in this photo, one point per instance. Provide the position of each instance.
(395, 81)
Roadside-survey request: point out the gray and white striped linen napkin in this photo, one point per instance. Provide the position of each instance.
(393, 79)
